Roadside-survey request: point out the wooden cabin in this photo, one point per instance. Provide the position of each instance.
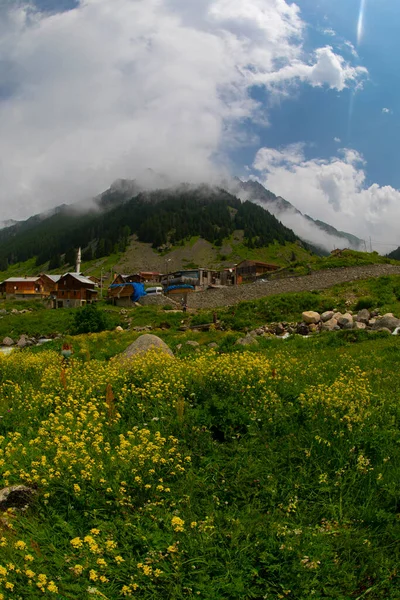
(75, 290)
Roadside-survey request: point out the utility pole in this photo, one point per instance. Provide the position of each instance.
(167, 260)
(101, 284)
(370, 244)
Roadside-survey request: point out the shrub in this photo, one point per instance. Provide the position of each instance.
(366, 302)
(90, 320)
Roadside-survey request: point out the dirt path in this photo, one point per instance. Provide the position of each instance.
(316, 281)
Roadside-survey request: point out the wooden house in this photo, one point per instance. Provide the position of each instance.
(50, 282)
(249, 270)
(75, 290)
(23, 288)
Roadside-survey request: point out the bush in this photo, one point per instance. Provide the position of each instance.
(90, 320)
(366, 302)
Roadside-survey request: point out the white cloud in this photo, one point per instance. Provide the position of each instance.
(387, 111)
(330, 69)
(329, 31)
(352, 49)
(335, 191)
(108, 89)
(337, 140)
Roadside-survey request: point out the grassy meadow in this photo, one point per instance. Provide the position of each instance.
(225, 474)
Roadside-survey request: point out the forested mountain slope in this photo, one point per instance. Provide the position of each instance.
(159, 217)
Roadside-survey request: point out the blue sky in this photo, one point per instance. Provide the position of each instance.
(302, 96)
(318, 115)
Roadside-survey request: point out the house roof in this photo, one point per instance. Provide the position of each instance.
(20, 279)
(54, 278)
(80, 278)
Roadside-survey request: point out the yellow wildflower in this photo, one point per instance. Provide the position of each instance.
(20, 545)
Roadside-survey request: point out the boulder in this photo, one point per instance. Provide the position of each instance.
(192, 343)
(331, 325)
(363, 316)
(388, 321)
(23, 341)
(313, 328)
(346, 321)
(327, 316)
(8, 341)
(311, 317)
(359, 325)
(15, 496)
(302, 329)
(143, 344)
(278, 329)
(247, 341)
(118, 328)
(213, 345)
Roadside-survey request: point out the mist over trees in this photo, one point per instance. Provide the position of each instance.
(158, 217)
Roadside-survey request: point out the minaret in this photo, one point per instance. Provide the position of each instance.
(78, 261)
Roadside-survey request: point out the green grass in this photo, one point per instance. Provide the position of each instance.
(290, 491)
(382, 293)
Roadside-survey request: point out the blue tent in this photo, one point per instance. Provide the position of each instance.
(137, 292)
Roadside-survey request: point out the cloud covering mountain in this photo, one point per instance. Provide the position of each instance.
(110, 88)
(334, 190)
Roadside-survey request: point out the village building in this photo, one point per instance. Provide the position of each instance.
(249, 270)
(197, 278)
(23, 288)
(50, 282)
(75, 290)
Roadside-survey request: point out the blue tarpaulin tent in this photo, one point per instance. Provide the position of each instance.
(138, 290)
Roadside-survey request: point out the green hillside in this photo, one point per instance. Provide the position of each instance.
(163, 218)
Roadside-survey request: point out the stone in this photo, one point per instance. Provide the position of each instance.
(259, 331)
(143, 344)
(388, 321)
(327, 316)
(337, 315)
(313, 328)
(372, 321)
(363, 316)
(213, 345)
(383, 329)
(7, 341)
(3, 311)
(311, 317)
(247, 341)
(16, 496)
(331, 325)
(118, 328)
(346, 321)
(23, 341)
(179, 347)
(278, 329)
(302, 329)
(192, 343)
(359, 325)
(142, 328)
